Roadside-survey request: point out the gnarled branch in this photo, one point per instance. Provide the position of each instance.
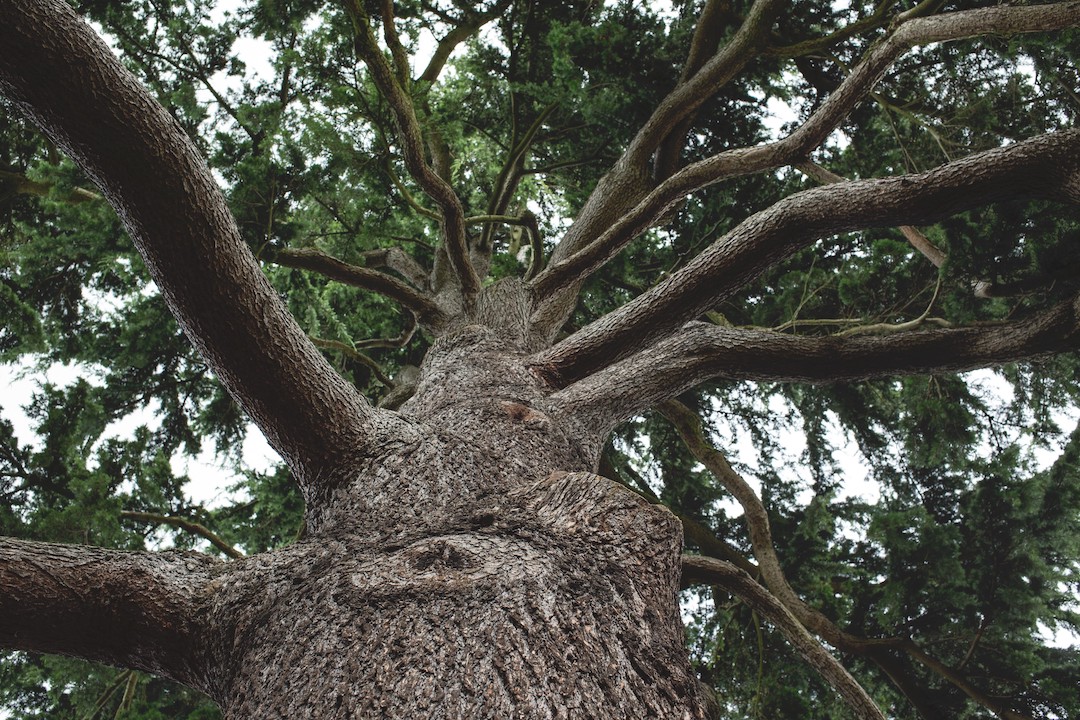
(570, 270)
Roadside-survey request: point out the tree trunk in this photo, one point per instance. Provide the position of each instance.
(558, 603)
(462, 575)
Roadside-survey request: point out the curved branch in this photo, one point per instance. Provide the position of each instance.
(412, 142)
(1044, 167)
(688, 96)
(688, 425)
(743, 161)
(715, 17)
(61, 75)
(874, 20)
(188, 525)
(459, 34)
(702, 351)
(718, 572)
(510, 174)
(621, 190)
(139, 610)
(426, 309)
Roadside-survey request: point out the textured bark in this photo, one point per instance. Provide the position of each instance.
(555, 601)
(1045, 166)
(701, 351)
(139, 610)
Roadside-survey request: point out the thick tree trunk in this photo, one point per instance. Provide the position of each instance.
(463, 574)
(557, 602)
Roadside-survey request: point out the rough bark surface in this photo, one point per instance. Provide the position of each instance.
(555, 601)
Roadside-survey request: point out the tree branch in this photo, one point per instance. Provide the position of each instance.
(688, 425)
(688, 96)
(62, 76)
(918, 240)
(1044, 167)
(737, 582)
(702, 351)
(426, 309)
(570, 270)
(624, 186)
(138, 610)
(358, 356)
(453, 216)
(715, 17)
(23, 185)
(188, 525)
(459, 34)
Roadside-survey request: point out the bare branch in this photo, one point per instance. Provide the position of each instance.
(950, 26)
(139, 610)
(688, 425)
(738, 583)
(453, 216)
(188, 525)
(1047, 166)
(150, 171)
(715, 17)
(702, 351)
(430, 314)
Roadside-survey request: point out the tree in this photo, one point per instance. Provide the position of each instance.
(497, 311)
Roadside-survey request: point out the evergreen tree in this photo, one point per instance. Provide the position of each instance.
(549, 309)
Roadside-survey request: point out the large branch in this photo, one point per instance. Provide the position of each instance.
(569, 270)
(133, 609)
(1044, 167)
(60, 74)
(702, 351)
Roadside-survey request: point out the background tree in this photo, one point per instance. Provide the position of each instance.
(508, 245)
